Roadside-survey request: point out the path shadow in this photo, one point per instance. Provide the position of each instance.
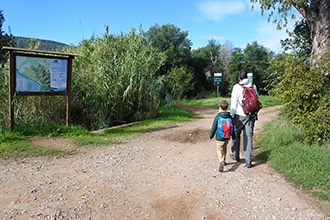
(262, 157)
(255, 163)
(235, 166)
(258, 162)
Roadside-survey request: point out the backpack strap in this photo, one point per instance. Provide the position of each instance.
(246, 86)
(242, 94)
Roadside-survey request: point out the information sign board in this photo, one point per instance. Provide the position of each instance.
(41, 74)
(217, 79)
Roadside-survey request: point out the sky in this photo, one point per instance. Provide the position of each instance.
(71, 21)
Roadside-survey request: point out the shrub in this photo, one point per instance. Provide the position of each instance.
(179, 82)
(302, 88)
(114, 80)
(316, 125)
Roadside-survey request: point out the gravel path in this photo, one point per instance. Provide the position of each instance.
(169, 173)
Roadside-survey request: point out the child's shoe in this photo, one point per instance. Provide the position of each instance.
(222, 165)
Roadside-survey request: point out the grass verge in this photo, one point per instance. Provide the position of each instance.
(214, 101)
(16, 144)
(307, 166)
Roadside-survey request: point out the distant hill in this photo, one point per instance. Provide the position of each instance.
(48, 45)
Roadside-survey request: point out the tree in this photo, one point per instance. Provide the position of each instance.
(214, 57)
(173, 42)
(255, 59)
(179, 82)
(235, 65)
(206, 62)
(200, 61)
(225, 55)
(211, 59)
(299, 41)
(5, 40)
(220, 56)
(316, 13)
(215, 64)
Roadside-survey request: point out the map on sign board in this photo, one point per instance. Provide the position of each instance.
(36, 74)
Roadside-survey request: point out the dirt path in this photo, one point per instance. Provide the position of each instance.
(164, 174)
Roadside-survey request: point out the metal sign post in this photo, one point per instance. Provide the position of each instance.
(217, 82)
(250, 77)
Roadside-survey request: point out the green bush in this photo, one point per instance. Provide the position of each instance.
(316, 126)
(114, 81)
(179, 82)
(302, 88)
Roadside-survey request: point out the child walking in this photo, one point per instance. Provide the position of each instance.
(223, 129)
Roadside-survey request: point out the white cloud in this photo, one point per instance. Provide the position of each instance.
(218, 9)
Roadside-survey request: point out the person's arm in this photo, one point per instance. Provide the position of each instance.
(214, 127)
(233, 102)
(234, 132)
(255, 88)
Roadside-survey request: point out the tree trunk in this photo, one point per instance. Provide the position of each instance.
(317, 14)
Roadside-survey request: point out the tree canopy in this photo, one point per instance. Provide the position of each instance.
(254, 58)
(173, 42)
(299, 40)
(316, 13)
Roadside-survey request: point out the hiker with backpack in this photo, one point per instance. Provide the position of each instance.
(244, 108)
(223, 130)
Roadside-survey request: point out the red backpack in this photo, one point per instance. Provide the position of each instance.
(251, 103)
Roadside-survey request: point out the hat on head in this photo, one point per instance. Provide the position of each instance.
(242, 75)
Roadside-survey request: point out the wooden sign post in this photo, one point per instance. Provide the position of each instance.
(56, 66)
